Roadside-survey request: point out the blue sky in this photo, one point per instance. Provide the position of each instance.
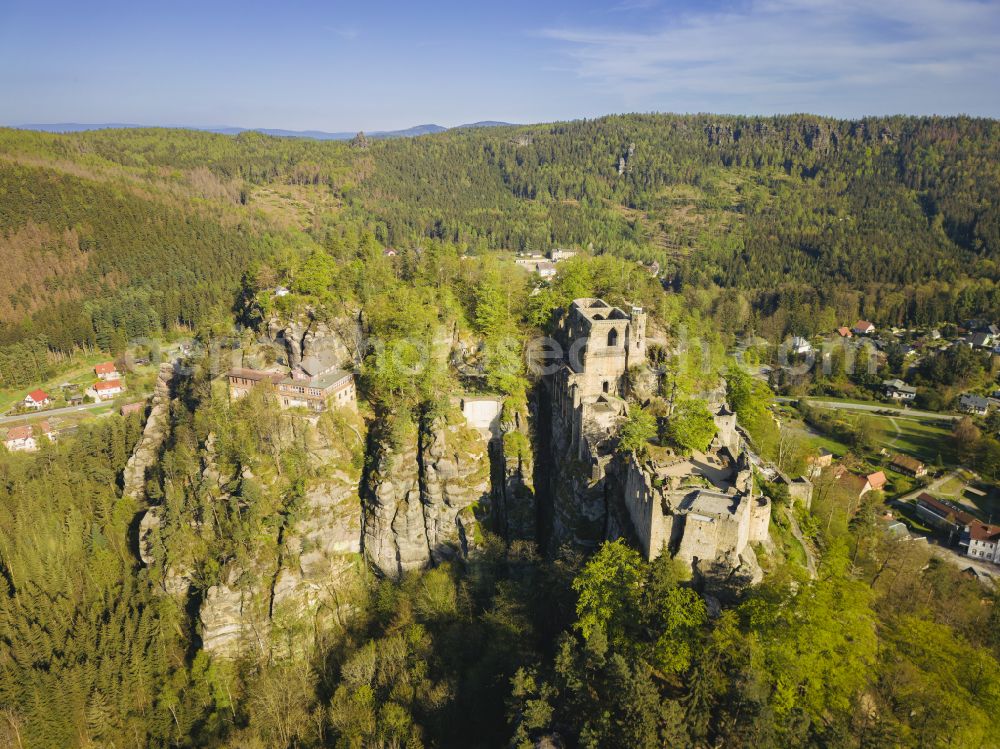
(382, 65)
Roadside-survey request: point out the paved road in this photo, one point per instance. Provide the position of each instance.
(931, 487)
(35, 415)
(906, 412)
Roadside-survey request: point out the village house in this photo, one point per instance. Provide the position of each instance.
(970, 403)
(37, 399)
(106, 390)
(981, 340)
(898, 390)
(845, 332)
(863, 327)
(942, 515)
(800, 345)
(819, 461)
(106, 371)
(908, 466)
(876, 481)
(558, 255)
(133, 408)
(21, 439)
(334, 388)
(537, 264)
(24, 438)
(855, 486)
(981, 541)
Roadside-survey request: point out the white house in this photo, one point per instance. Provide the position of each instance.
(559, 254)
(106, 371)
(863, 327)
(800, 345)
(981, 541)
(106, 390)
(21, 439)
(973, 404)
(37, 399)
(898, 390)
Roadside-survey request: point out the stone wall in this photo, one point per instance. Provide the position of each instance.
(644, 503)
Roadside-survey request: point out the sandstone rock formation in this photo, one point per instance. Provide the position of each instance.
(153, 434)
(420, 499)
(336, 343)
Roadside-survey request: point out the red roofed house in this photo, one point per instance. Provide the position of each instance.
(851, 484)
(24, 438)
(981, 541)
(845, 332)
(21, 439)
(106, 371)
(942, 514)
(37, 399)
(105, 391)
(863, 327)
(876, 480)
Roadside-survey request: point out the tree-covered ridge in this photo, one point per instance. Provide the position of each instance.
(895, 218)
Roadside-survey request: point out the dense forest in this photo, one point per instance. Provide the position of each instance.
(777, 225)
(887, 647)
(787, 222)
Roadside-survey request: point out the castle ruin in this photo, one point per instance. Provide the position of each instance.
(701, 509)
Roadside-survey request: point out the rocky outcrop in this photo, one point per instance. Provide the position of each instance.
(315, 562)
(335, 343)
(153, 434)
(277, 600)
(730, 577)
(421, 497)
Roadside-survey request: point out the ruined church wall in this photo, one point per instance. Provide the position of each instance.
(642, 501)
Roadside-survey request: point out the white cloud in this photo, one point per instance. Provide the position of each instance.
(829, 56)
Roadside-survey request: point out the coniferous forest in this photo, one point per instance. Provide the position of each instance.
(715, 225)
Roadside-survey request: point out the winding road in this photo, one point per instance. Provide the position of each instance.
(873, 408)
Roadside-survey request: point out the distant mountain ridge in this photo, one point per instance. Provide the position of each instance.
(410, 132)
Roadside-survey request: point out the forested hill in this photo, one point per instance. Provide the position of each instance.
(898, 217)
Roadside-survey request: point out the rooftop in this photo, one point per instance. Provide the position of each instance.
(984, 532)
(945, 510)
(18, 433)
(598, 309)
(711, 504)
(908, 462)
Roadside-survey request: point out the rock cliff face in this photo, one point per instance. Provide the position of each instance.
(335, 343)
(577, 494)
(153, 434)
(274, 602)
(515, 509)
(264, 605)
(421, 497)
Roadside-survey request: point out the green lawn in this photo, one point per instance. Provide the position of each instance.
(924, 440)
